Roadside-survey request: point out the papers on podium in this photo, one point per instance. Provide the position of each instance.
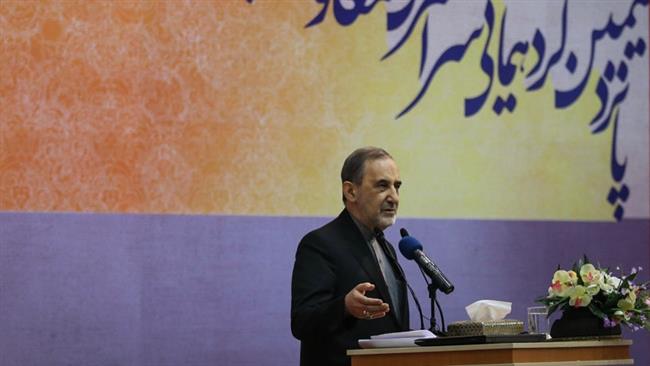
(398, 339)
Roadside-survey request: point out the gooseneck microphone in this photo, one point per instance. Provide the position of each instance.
(411, 248)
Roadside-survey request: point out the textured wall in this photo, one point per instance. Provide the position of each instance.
(160, 290)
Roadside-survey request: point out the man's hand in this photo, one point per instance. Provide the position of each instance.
(362, 307)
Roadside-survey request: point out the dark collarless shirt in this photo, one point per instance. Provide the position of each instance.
(384, 265)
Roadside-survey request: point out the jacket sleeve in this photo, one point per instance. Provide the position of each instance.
(317, 301)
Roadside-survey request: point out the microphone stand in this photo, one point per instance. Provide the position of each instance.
(432, 295)
(433, 288)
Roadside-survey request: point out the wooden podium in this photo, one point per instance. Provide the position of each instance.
(549, 353)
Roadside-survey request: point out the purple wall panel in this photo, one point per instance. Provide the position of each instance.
(87, 289)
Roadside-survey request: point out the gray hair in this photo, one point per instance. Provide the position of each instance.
(354, 165)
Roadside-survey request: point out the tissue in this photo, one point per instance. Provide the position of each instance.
(486, 310)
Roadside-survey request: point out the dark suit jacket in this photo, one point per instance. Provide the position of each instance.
(330, 261)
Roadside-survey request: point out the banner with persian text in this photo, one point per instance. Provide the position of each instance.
(493, 109)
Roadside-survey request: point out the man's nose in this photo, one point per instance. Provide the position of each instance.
(393, 195)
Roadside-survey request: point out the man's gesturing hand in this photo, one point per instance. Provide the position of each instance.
(362, 307)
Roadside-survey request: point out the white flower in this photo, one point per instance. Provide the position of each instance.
(609, 283)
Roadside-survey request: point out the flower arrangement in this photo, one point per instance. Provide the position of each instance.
(614, 299)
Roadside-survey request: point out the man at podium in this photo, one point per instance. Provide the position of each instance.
(346, 283)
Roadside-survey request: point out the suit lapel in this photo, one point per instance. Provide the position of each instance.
(366, 258)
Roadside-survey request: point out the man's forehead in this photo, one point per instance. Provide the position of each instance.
(381, 169)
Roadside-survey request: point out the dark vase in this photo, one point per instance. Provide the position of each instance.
(580, 322)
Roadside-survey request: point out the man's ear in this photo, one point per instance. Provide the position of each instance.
(349, 191)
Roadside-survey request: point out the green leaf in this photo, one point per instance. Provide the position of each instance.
(576, 267)
(554, 306)
(612, 300)
(631, 277)
(597, 312)
(635, 320)
(541, 299)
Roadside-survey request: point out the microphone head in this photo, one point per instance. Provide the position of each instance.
(403, 232)
(408, 245)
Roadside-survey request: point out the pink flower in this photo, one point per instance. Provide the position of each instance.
(562, 283)
(590, 275)
(579, 297)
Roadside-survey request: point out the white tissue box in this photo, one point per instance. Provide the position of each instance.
(489, 327)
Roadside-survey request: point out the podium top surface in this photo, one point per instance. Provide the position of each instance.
(495, 346)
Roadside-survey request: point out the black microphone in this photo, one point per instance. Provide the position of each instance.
(411, 248)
